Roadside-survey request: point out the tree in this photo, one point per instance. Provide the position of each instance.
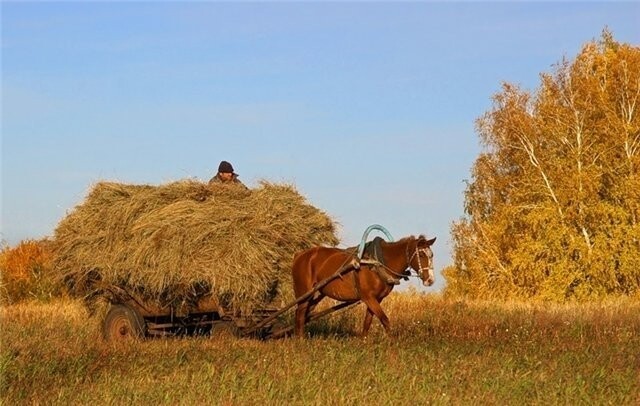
(552, 209)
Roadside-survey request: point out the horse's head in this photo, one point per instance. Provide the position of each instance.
(421, 260)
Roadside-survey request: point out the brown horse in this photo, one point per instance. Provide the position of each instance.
(365, 283)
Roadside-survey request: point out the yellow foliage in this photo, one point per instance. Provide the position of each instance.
(553, 207)
(26, 271)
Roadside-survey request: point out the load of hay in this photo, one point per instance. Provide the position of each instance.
(177, 243)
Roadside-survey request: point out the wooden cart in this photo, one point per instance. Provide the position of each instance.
(131, 317)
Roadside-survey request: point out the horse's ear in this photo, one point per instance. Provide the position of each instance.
(423, 242)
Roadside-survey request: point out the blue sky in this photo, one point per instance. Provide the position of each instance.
(368, 108)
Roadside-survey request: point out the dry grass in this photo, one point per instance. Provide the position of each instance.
(441, 351)
(181, 241)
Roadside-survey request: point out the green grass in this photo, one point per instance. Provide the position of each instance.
(440, 352)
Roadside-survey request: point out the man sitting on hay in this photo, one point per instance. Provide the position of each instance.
(226, 175)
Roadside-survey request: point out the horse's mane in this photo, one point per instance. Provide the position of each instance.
(408, 239)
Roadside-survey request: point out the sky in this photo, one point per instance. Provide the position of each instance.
(368, 108)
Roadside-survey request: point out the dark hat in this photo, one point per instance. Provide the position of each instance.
(225, 167)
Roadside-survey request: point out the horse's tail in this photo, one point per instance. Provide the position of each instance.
(302, 271)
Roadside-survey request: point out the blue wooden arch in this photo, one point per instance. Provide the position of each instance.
(366, 235)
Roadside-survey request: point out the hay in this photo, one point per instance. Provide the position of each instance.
(182, 241)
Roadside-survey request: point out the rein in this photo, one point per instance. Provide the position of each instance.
(419, 271)
(391, 271)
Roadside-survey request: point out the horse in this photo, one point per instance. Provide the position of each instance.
(366, 282)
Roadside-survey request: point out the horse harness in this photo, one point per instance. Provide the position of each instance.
(373, 257)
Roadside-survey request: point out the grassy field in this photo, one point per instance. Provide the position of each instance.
(440, 352)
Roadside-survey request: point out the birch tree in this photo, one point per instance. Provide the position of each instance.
(552, 208)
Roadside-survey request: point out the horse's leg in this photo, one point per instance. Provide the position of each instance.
(313, 303)
(374, 307)
(303, 279)
(368, 317)
(303, 311)
(301, 287)
(301, 318)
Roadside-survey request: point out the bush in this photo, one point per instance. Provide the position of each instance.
(26, 272)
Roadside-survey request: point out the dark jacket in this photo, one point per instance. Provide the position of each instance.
(234, 181)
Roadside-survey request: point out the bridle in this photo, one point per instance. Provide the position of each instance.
(421, 269)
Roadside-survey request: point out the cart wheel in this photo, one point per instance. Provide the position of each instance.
(123, 323)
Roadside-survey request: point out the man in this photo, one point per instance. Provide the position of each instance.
(226, 175)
